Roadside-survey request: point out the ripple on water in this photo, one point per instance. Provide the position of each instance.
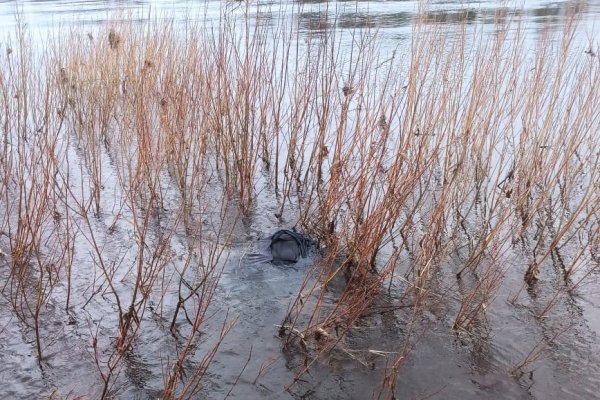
(20, 373)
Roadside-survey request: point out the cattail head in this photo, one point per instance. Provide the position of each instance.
(114, 39)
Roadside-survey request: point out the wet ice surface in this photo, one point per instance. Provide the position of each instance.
(440, 366)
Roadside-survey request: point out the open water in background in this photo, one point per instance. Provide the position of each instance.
(438, 366)
(391, 16)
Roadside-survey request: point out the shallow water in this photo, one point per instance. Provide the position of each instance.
(440, 366)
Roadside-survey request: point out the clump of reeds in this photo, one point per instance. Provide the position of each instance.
(102, 142)
(458, 161)
(38, 237)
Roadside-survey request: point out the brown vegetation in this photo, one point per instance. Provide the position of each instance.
(417, 170)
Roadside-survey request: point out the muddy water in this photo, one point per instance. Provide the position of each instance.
(440, 366)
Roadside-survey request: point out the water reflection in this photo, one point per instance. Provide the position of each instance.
(314, 21)
(389, 20)
(318, 16)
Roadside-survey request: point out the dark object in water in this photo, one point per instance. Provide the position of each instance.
(288, 246)
(284, 247)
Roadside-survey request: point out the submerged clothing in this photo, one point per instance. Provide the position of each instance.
(288, 246)
(284, 247)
